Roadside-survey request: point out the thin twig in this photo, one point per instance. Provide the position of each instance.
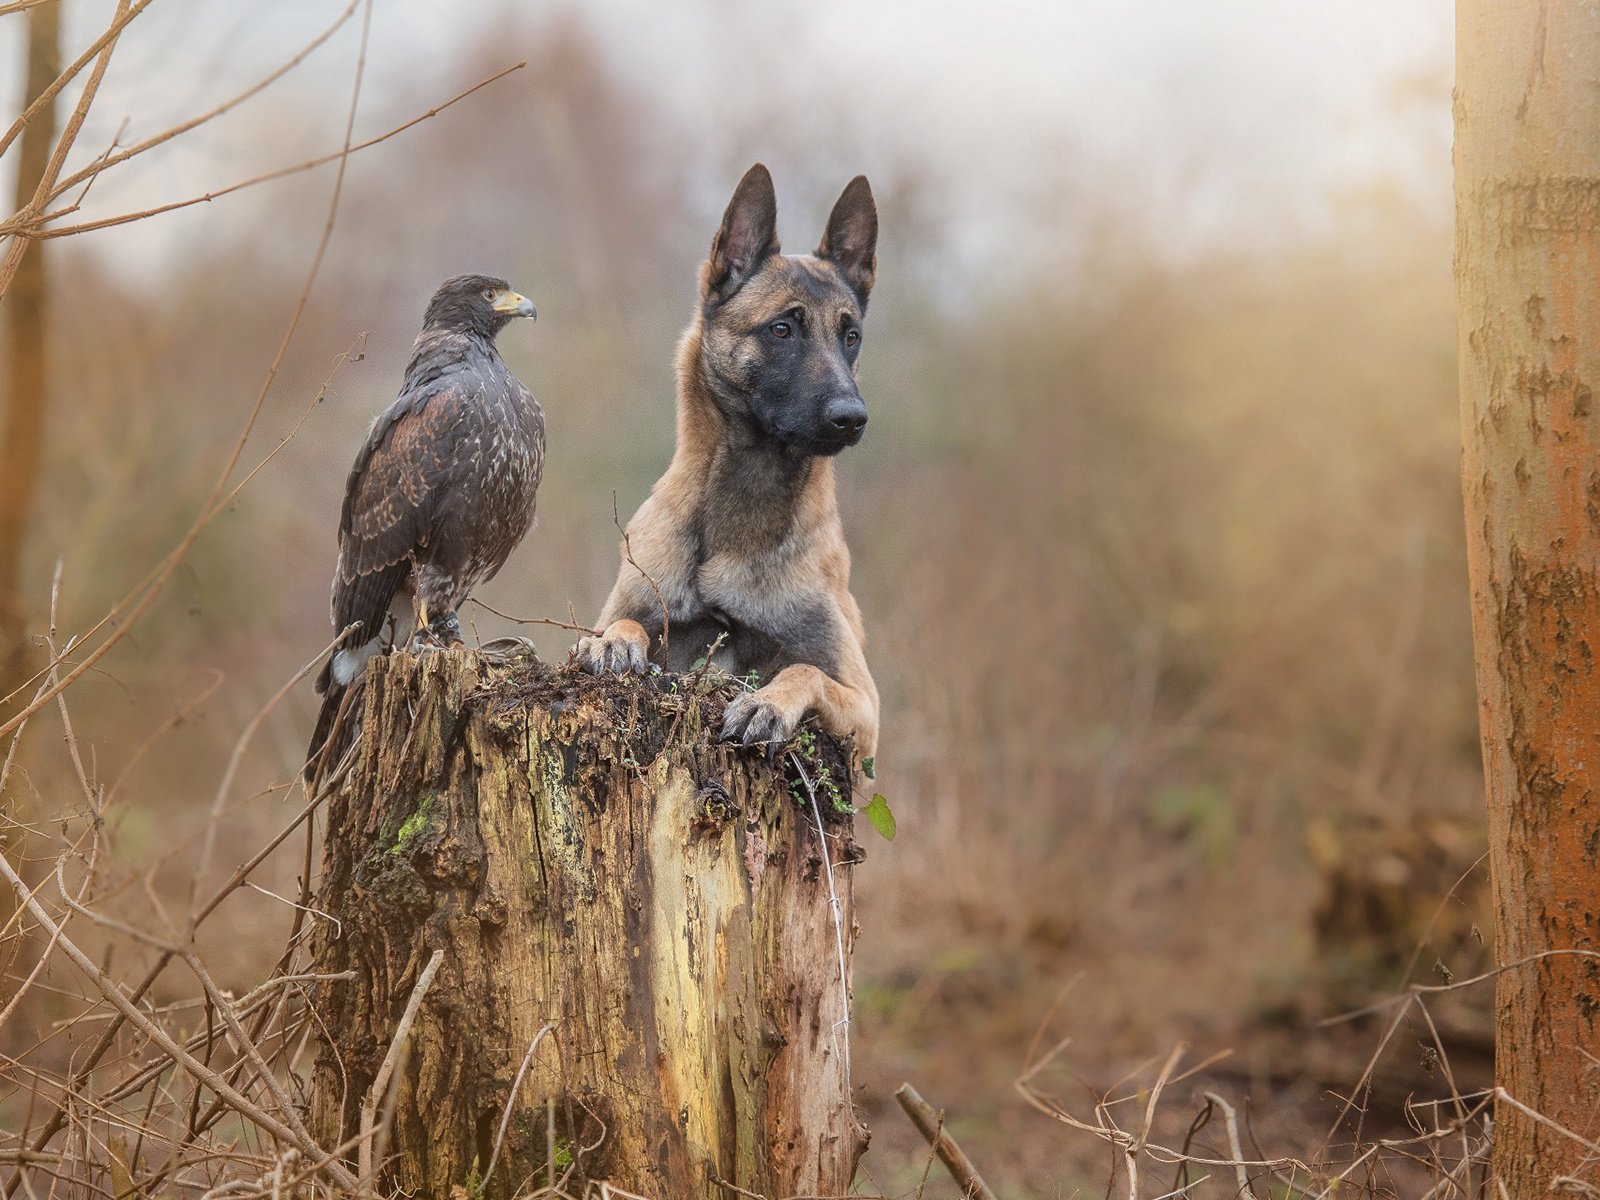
(236, 758)
(380, 1082)
(550, 1143)
(516, 1086)
(58, 1117)
(1230, 1120)
(931, 1125)
(101, 165)
(1138, 1143)
(247, 1046)
(267, 177)
(211, 1079)
(20, 245)
(627, 552)
(838, 920)
(1533, 1114)
(692, 689)
(735, 1188)
(533, 620)
(105, 42)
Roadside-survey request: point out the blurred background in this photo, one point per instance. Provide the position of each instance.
(1156, 526)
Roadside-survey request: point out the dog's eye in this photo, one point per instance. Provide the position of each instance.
(780, 329)
(488, 294)
(852, 339)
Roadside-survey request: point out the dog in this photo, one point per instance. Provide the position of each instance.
(741, 538)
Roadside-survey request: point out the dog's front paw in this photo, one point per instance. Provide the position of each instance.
(622, 648)
(752, 720)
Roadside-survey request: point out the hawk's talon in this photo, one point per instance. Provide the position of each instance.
(444, 633)
(447, 631)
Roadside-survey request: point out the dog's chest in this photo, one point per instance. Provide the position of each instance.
(765, 611)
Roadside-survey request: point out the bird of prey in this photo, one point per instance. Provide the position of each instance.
(443, 489)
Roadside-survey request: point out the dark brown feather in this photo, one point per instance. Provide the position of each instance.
(442, 489)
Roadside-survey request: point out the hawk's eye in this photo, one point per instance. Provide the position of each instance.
(488, 294)
(780, 329)
(852, 338)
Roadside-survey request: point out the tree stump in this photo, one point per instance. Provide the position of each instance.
(593, 865)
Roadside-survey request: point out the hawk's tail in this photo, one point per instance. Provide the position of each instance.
(338, 724)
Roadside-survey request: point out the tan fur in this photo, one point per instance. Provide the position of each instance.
(772, 558)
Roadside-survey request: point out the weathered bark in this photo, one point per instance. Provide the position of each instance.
(28, 368)
(1528, 282)
(588, 858)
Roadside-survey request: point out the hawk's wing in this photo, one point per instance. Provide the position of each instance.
(409, 458)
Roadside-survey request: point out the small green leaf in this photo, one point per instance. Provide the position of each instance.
(869, 768)
(882, 818)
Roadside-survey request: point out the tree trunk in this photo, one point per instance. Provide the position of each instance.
(1528, 281)
(22, 437)
(589, 859)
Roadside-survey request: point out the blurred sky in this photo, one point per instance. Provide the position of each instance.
(1227, 121)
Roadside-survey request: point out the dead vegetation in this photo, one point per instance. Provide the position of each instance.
(1174, 662)
(207, 1091)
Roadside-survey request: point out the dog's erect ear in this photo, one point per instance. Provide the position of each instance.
(851, 241)
(748, 237)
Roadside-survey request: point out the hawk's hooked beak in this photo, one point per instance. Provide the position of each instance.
(515, 305)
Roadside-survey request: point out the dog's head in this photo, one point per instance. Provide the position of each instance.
(780, 333)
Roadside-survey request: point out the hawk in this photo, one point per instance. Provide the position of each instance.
(443, 489)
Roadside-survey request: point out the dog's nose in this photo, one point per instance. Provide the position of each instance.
(846, 416)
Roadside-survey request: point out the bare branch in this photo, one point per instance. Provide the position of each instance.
(532, 620)
(105, 41)
(152, 1030)
(1230, 1120)
(101, 165)
(516, 1086)
(58, 1118)
(220, 797)
(69, 134)
(338, 156)
(380, 1082)
(627, 550)
(931, 1125)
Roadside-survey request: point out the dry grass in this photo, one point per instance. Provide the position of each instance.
(205, 1089)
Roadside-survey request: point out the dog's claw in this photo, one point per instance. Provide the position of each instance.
(771, 735)
(600, 655)
(752, 722)
(583, 653)
(625, 660)
(735, 719)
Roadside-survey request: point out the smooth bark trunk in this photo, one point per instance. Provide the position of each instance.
(1527, 163)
